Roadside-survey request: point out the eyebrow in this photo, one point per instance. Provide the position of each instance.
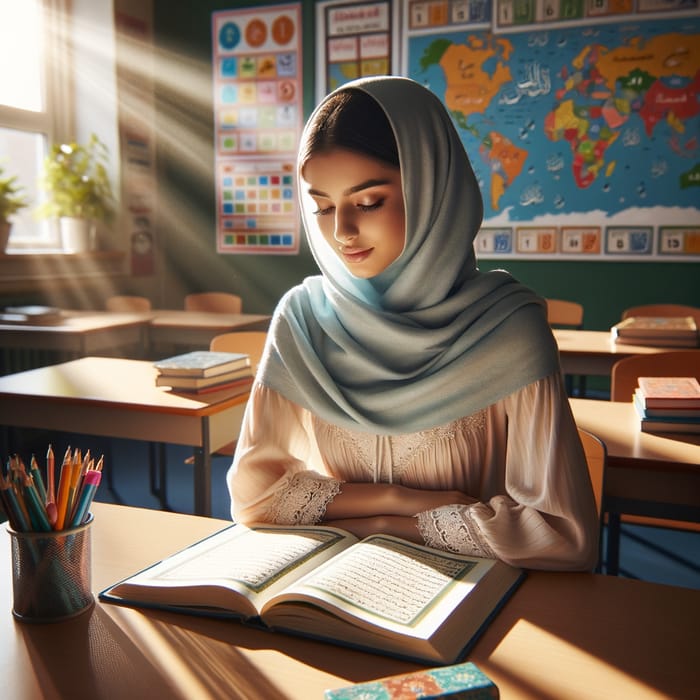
(355, 188)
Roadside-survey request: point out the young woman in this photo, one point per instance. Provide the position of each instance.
(402, 390)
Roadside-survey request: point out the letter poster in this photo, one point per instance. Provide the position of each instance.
(258, 114)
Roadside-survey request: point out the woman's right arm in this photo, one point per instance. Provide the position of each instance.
(270, 479)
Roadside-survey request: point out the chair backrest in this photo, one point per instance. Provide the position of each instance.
(220, 302)
(123, 302)
(251, 342)
(663, 310)
(596, 458)
(564, 313)
(674, 363)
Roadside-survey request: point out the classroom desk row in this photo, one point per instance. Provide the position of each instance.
(137, 334)
(561, 635)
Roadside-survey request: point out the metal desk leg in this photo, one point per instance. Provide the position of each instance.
(612, 557)
(202, 473)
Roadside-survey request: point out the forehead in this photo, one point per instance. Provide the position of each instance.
(341, 165)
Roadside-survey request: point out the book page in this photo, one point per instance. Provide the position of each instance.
(255, 562)
(393, 584)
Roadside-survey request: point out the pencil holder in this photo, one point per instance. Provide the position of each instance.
(51, 573)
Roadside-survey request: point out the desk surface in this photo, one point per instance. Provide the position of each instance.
(106, 380)
(561, 636)
(594, 352)
(617, 425)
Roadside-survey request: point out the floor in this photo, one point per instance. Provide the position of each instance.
(653, 554)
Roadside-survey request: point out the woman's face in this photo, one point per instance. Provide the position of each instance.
(357, 204)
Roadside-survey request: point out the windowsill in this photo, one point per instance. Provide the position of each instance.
(25, 270)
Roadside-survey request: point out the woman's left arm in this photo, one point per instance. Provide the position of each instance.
(546, 516)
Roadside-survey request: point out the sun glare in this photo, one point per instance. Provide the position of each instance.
(20, 48)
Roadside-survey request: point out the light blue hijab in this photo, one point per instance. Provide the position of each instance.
(429, 340)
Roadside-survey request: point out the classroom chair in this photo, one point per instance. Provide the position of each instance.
(251, 342)
(219, 302)
(567, 314)
(672, 363)
(663, 310)
(623, 382)
(123, 302)
(596, 458)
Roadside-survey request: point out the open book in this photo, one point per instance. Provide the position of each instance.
(382, 593)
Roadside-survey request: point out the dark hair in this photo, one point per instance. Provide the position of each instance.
(354, 120)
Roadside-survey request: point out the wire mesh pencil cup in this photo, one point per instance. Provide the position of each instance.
(51, 573)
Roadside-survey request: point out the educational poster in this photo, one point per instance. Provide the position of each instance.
(353, 40)
(258, 115)
(585, 138)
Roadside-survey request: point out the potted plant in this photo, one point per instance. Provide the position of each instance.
(12, 200)
(78, 189)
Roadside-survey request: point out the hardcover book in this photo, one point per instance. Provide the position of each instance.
(669, 392)
(671, 412)
(664, 331)
(202, 363)
(458, 682)
(198, 383)
(381, 593)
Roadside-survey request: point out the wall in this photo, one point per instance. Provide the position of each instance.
(186, 155)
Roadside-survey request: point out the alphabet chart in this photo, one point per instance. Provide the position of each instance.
(258, 119)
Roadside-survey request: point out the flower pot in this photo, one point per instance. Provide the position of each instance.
(77, 235)
(5, 228)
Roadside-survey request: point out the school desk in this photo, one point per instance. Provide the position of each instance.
(561, 636)
(180, 330)
(79, 334)
(594, 352)
(116, 397)
(651, 474)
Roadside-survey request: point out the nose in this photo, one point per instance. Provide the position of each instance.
(345, 225)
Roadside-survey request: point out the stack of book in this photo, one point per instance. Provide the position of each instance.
(668, 404)
(204, 371)
(32, 315)
(663, 331)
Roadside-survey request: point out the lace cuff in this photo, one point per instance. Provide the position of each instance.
(452, 528)
(304, 499)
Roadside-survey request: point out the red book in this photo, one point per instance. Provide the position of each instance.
(669, 392)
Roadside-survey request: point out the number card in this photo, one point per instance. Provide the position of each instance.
(679, 240)
(536, 240)
(494, 241)
(632, 240)
(581, 240)
(257, 119)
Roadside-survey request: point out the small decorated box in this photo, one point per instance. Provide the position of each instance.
(459, 682)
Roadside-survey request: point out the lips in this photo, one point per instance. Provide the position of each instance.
(352, 255)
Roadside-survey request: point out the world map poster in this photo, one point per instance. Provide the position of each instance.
(582, 128)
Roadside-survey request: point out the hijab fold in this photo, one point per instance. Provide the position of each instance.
(430, 339)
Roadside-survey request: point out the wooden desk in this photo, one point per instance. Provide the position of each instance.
(116, 397)
(183, 330)
(594, 352)
(79, 334)
(652, 474)
(560, 637)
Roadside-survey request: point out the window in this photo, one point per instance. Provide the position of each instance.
(35, 99)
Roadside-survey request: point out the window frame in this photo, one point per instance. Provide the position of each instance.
(55, 121)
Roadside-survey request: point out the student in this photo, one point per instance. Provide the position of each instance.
(403, 391)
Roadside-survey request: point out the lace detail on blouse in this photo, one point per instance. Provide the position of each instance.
(452, 528)
(303, 501)
(402, 450)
